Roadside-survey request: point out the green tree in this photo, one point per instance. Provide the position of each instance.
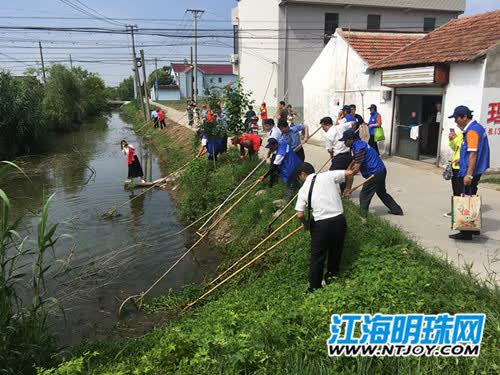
(164, 76)
(62, 97)
(235, 100)
(21, 120)
(125, 90)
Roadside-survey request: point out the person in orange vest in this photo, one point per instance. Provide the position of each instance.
(249, 144)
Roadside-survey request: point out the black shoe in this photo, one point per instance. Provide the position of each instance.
(461, 236)
(399, 213)
(331, 277)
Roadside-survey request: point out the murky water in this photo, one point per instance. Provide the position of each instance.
(106, 260)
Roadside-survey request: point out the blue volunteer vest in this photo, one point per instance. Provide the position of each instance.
(290, 162)
(372, 163)
(349, 118)
(373, 120)
(483, 151)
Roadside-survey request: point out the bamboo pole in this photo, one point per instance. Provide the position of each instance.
(243, 268)
(200, 218)
(112, 211)
(253, 249)
(221, 217)
(140, 297)
(232, 193)
(291, 200)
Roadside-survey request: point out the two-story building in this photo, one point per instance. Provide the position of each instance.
(210, 77)
(277, 41)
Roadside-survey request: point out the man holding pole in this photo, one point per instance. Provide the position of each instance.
(284, 164)
(292, 136)
(366, 160)
(339, 152)
(327, 224)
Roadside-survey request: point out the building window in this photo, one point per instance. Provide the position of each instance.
(211, 80)
(429, 23)
(331, 23)
(236, 46)
(373, 22)
(220, 79)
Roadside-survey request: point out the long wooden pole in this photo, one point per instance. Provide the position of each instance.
(232, 193)
(253, 249)
(292, 200)
(243, 267)
(143, 294)
(111, 211)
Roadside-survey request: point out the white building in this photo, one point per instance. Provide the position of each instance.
(276, 41)
(420, 84)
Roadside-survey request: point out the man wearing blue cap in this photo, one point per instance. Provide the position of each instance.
(474, 157)
(284, 164)
(366, 160)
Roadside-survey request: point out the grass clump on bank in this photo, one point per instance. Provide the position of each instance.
(264, 322)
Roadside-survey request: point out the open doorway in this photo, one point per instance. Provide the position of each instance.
(418, 126)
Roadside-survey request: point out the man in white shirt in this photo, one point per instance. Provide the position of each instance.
(272, 131)
(154, 117)
(321, 196)
(341, 155)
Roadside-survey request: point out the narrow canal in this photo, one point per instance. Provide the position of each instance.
(104, 261)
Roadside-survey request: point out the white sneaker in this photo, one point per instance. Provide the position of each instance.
(447, 214)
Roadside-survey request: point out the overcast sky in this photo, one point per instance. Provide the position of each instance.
(110, 53)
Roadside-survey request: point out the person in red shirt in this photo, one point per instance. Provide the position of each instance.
(263, 112)
(161, 118)
(249, 144)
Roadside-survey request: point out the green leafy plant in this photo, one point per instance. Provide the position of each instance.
(24, 338)
(236, 101)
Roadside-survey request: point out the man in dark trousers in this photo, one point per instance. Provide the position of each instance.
(366, 160)
(284, 163)
(292, 136)
(320, 195)
(474, 157)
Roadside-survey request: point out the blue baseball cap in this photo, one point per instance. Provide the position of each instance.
(461, 110)
(348, 134)
(271, 142)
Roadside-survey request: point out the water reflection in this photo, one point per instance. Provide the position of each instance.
(106, 260)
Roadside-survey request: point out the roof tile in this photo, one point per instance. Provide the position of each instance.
(459, 40)
(374, 46)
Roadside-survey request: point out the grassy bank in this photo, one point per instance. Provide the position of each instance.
(264, 321)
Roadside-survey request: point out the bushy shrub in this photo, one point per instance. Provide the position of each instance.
(21, 120)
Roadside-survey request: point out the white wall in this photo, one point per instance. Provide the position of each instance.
(306, 28)
(325, 81)
(212, 80)
(259, 55)
(464, 88)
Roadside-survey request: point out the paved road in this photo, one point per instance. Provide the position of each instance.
(424, 196)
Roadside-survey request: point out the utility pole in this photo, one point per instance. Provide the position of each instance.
(195, 13)
(192, 79)
(137, 86)
(146, 86)
(70, 61)
(43, 64)
(156, 79)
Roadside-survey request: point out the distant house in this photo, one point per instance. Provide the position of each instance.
(210, 77)
(165, 92)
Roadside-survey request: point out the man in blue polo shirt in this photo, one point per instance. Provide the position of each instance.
(292, 136)
(366, 160)
(284, 164)
(474, 157)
